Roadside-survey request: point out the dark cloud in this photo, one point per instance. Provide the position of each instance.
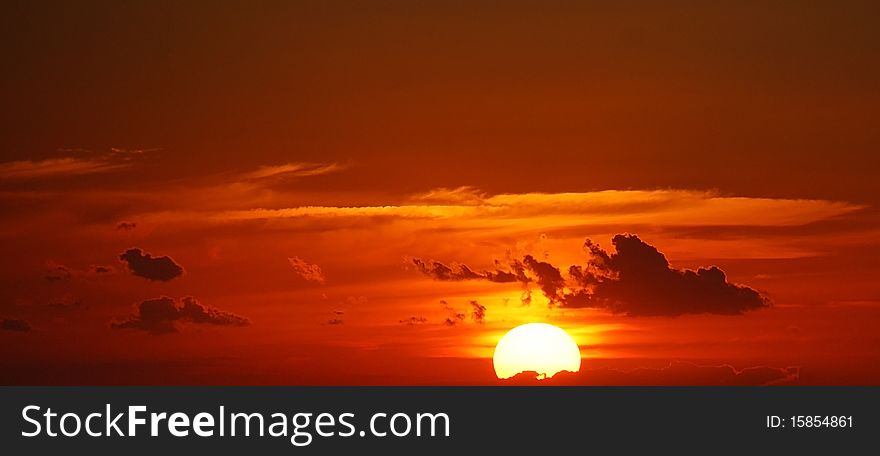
(145, 265)
(526, 297)
(478, 311)
(13, 324)
(101, 270)
(455, 317)
(413, 321)
(58, 272)
(160, 315)
(548, 277)
(126, 226)
(337, 319)
(500, 276)
(439, 271)
(456, 272)
(637, 280)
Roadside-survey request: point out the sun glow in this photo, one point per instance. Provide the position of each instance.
(539, 347)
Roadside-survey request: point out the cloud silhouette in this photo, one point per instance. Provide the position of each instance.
(549, 278)
(98, 269)
(308, 271)
(455, 317)
(635, 280)
(439, 271)
(413, 321)
(457, 272)
(14, 324)
(144, 265)
(160, 315)
(58, 272)
(478, 311)
(126, 226)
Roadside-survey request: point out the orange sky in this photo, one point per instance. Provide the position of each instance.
(306, 168)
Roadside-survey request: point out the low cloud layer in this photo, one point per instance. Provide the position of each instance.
(636, 279)
(676, 373)
(144, 265)
(161, 316)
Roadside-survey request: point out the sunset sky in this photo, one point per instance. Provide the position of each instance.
(363, 193)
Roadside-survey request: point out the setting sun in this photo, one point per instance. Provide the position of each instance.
(539, 347)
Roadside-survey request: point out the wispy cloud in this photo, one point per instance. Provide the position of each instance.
(465, 195)
(114, 160)
(54, 167)
(292, 170)
(564, 210)
(124, 151)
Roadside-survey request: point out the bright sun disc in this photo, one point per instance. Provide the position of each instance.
(539, 347)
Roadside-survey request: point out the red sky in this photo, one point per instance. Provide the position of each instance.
(292, 162)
